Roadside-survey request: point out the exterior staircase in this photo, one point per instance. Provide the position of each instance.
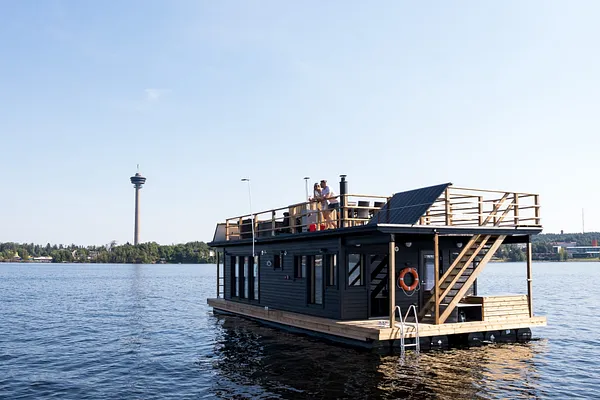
(460, 276)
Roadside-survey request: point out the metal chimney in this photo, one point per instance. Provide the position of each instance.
(343, 190)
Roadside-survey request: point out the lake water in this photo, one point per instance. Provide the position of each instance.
(144, 332)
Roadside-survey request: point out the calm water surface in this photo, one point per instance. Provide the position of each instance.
(145, 332)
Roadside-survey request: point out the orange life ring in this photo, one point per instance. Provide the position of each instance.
(415, 276)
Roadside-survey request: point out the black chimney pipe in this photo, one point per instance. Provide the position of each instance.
(343, 191)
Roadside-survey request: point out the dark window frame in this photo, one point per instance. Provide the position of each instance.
(332, 271)
(233, 277)
(313, 284)
(254, 278)
(241, 265)
(300, 266)
(277, 261)
(359, 280)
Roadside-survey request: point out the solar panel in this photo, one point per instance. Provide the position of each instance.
(407, 207)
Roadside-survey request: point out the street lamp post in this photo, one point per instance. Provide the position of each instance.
(251, 215)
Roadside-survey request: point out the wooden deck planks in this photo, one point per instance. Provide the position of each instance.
(365, 330)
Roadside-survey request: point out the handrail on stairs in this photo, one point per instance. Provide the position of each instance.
(403, 323)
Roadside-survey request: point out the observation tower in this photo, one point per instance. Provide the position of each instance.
(137, 180)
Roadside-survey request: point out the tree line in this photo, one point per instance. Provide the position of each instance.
(542, 246)
(200, 253)
(144, 253)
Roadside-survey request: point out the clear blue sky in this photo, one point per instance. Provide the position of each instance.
(398, 95)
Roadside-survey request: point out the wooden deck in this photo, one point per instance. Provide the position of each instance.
(375, 329)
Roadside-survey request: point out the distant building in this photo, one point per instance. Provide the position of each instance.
(584, 251)
(563, 245)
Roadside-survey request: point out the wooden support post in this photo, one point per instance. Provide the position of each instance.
(537, 209)
(344, 212)
(448, 209)
(273, 223)
(516, 209)
(480, 209)
(226, 229)
(392, 280)
(436, 274)
(218, 275)
(529, 281)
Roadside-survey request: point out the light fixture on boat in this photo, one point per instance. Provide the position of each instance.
(263, 252)
(284, 253)
(396, 248)
(459, 244)
(357, 245)
(408, 244)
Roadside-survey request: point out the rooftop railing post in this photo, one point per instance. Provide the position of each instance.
(392, 279)
(516, 209)
(537, 209)
(480, 210)
(448, 209)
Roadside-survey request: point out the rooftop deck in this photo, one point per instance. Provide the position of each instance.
(441, 205)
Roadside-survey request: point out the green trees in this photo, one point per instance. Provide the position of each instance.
(563, 255)
(144, 253)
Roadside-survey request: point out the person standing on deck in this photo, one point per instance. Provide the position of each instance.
(316, 200)
(330, 204)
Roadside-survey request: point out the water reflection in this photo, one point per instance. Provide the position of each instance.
(261, 362)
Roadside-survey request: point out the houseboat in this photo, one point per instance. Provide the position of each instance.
(380, 270)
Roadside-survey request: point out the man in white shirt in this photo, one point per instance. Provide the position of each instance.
(330, 205)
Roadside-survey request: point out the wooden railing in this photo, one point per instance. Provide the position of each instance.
(491, 208)
(455, 207)
(352, 210)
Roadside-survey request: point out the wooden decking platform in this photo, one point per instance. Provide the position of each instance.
(373, 329)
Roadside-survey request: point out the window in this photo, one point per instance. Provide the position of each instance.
(276, 261)
(234, 276)
(331, 268)
(356, 276)
(255, 277)
(428, 262)
(300, 267)
(246, 273)
(315, 264)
